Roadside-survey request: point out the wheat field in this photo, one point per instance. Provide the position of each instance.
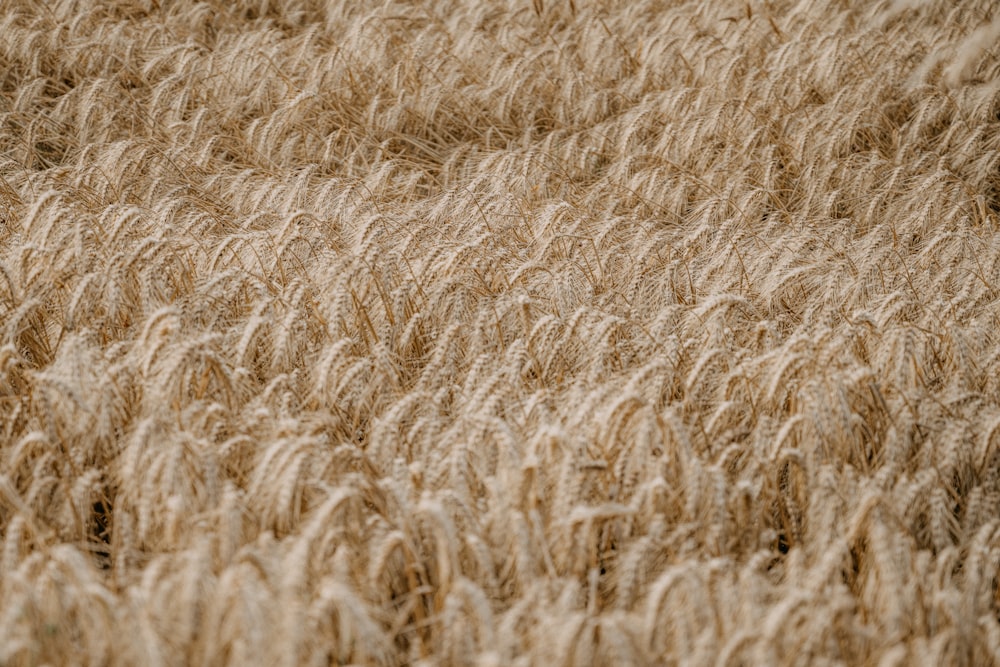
(499, 332)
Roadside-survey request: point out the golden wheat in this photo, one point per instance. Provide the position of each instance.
(567, 332)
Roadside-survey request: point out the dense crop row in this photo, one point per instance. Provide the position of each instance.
(482, 332)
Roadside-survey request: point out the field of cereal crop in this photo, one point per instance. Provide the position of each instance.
(485, 332)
